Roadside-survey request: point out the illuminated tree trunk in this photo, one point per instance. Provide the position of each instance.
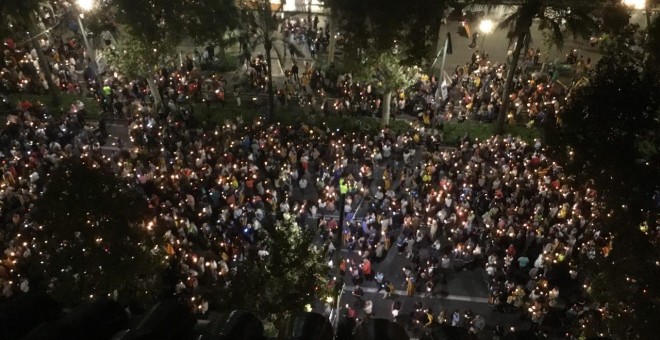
(271, 95)
(520, 42)
(43, 65)
(333, 41)
(387, 101)
(154, 91)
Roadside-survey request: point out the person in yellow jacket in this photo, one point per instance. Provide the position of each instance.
(343, 186)
(387, 179)
(426, 117)
(410, 287)
(426, 178)
(429, 317)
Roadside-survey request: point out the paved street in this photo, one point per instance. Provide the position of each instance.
(117, 135)
(464, 289)
(383, 309)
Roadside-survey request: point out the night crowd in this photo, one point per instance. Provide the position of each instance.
(498, 204)
(60, 40)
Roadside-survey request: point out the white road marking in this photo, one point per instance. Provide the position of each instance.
(424, 295)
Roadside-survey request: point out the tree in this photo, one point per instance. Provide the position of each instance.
(137, 58)
(23, 13)
(377, 26)
(262, 21)
(291, 276)
(556, 16)
(157, 20)
(153, 29)
(261, 24)
(150, 32)
(389, 74)
(211, 21)
(613, 120)
(608, 136)
(385, 40)
(90, 238)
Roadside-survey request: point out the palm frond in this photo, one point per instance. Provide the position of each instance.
(510, 23)
(555, 30)
(580, 24)
(492, 5)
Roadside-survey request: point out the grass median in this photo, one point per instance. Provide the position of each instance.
(453, 131)
(92, 106)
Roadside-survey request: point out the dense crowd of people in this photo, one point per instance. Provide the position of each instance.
(63, 51)
(31, 145)
(471, 92)
(497, 205)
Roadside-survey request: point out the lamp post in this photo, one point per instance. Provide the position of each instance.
(86, 6)
(486, 27)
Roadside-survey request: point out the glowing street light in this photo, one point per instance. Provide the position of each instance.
(86, 5)
(635, 4)
(486, 27)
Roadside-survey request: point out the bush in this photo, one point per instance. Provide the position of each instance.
(226, 64)
(453, 131)
(92, 106)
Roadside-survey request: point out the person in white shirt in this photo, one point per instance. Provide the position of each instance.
(107, 37)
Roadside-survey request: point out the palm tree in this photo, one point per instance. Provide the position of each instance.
(556, 16)
(262, 20)
(24, 14)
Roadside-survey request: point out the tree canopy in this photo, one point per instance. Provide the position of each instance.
(608, 136)
(384, 41)
(90, 240)
(613, 120)
(388, 73)
(19, 17)
(377, 26)
(173, 21)
(292, 274)
(136, 57)
(557, 17)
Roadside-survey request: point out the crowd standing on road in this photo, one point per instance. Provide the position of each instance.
(498, 204)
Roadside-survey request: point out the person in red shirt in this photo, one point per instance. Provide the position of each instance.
(366, 269)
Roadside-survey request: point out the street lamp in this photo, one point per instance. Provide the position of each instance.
(635, 4)
(486, 27)
(86, 6)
